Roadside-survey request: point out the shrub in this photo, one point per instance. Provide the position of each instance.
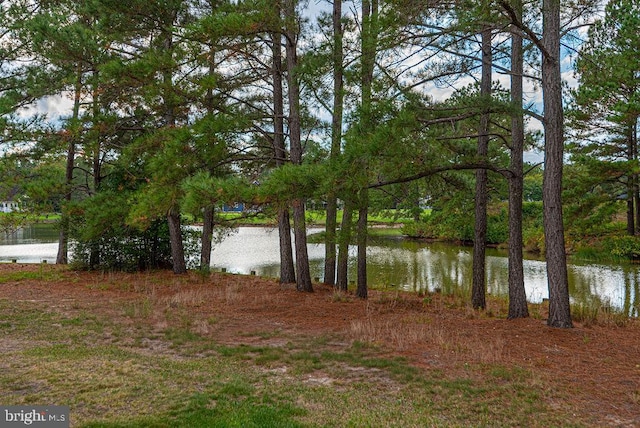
(126, 249)
(627, 247)
(129, 249)
(534, 240)
(458, 226)
(498, 228)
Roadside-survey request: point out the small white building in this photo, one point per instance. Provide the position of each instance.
(8, 206)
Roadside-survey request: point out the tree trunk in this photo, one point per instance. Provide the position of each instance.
(631, 191)
(303, 274)
(559, 308)
(630, 210)
(330, 239)
(94, 256)
(208, 214)
(636, 201)
(287, 271)
(369, 36)
(336, 139)
(63, 241)
(173, 215)
(478, 289)
(517, 297)
(175, 237)
(362, 288)
(207, 237)
(343, 247)
(635, 312)
(63, 238)
(633, 142)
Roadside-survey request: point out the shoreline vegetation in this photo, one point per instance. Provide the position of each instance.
(156, 349)
(609, 243)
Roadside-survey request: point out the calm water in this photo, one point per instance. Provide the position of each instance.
(31, 244)
(397, 263)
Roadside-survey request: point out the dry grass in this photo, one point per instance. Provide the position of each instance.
(187, 298)
(233, 293)
(401, 337)
(407, 335)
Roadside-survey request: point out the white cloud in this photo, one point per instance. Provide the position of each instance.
(569, 77)
(55, 107)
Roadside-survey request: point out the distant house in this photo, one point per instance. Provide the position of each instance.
(8, 206)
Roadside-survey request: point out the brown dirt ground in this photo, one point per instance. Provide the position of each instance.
(592, 370)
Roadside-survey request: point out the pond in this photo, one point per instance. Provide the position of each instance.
(31, 244)
(392, 263)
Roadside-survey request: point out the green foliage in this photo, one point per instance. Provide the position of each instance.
(534, 240)
(457, 225)
(175, 109)
(10, 222)
(125, 249)
(533, 185)
(105, 241)
(532, 231)
(604, 115)
(498, 227)
(452, 226)
(130, 249)
(592, 189)
(202, 190)
(626, 247)
(291, 182)
(35, 183)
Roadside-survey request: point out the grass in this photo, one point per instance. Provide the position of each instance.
(111, 376)
(40, 274)
(247, 219)
(598, 313)
(388, 217)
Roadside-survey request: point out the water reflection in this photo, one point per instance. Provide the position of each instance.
(32, 234)
(397, 263)
(30, 244)
(420, 266)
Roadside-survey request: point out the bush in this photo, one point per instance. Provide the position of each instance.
(452, 226)
(418, 230)
(534, 240)
(125, 249)
(458, 227)
(102, 238)
(128, 249)
(498, 228)
(627, 247)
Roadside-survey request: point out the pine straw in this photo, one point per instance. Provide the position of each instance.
(592, 371)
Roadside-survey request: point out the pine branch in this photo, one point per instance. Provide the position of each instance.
(436, 170)
(530, 34)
